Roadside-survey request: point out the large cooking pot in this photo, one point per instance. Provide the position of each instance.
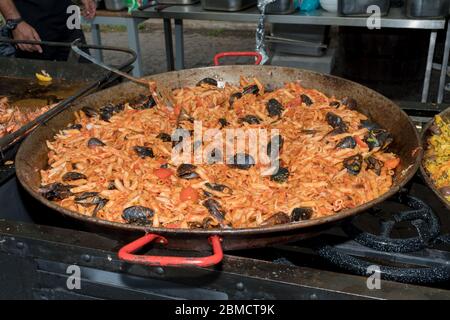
(32, 157)
(426, 133)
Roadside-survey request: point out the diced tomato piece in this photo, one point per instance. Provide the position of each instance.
(294, 102)
(360, 142)
(189, 193)
(163, 173)
(392, 163)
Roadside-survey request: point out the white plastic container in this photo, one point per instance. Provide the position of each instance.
(329, 5)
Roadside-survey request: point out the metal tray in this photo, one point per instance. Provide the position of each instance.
(281, 7)
(70, 71)
(179, 2)
(227, 5)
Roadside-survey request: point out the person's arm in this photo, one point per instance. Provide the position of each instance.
(23, 31)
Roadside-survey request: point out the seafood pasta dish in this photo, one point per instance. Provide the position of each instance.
(225, 156)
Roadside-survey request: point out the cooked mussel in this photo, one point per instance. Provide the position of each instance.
(336, 122)
(274, 108)
(138, 215)
(165, 137)
(235, 96)
(306, 100)
(94, 142)
(88, 199)
(207, 81)
(369, 125)
(274, 146)
(378, 138)
(335, 104)
(72, 176)
(106, 112)
(353, 164)
(144, 152)
(301, 214)
(374, 164)
(214, 209)
(252, 89)
(89, 112)
(242, 161)
(350, 103)
(56, 191)
(223, 123)
(281, 176)
(187, 171)
(346, 143)
(250, 119)
(144, 102)
(276, 219)
(219, 187)
(75, 126)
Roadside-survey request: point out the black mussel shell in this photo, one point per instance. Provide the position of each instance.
(72, 176)
(94, 142)
(276, 143)
(277, 219)
(149, 103)
(138, 215)
(335, 104)
(353, 164)
(301, 214)
(281, 176)
(100, 205)
(207, 81)
(234, 97)
(187, 171)
(165, 137)
(306, 100)
(106, 112)
(119, 107)
(219, 187)
(369, 125)
(346, 143)
(374, 164)
(89, 112)
(87, 198)
(252, 89)
(214, 209)
(223, 122)
(336, 122)
(55, 191)
(274, 108)
(75, 126)
(250, 119)
(111, 185)
(242, 161)
(144, 102)
(378, 138)
(350, 103)
(144, 152)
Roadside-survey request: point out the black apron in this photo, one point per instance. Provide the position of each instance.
(49, 19)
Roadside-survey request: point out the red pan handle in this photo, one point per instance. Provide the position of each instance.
(126, 254)
(221, 55)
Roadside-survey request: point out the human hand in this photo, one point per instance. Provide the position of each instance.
(24, 31)
(89, 8)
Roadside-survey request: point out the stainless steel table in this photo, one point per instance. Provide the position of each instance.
(395, 19)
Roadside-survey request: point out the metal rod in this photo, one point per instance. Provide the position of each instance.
(426, 82)
(169, 44)
(444, 67)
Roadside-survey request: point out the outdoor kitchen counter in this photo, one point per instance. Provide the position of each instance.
(395, 19)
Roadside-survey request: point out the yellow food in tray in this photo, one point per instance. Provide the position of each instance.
(437, 157)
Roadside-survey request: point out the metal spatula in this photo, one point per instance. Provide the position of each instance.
(161, 93)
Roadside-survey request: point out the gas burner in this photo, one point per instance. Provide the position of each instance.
(425, 264)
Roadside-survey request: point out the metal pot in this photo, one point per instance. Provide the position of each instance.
(426, 133)
(32, 157)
